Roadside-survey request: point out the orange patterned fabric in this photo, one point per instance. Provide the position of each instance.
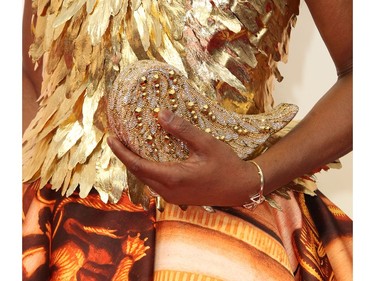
(85, 239)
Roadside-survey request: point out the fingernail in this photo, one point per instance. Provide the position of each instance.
(110, 141)
(165, 115)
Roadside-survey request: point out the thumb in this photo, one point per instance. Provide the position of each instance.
(194, 137)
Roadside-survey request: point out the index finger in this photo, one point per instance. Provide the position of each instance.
(137, 165)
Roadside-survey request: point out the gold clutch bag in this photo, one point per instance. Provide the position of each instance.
(146, 86)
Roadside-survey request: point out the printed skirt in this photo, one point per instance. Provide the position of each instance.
(71, 238)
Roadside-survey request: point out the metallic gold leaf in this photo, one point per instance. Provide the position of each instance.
(96, 67)
(75, 180)
(45, 126)
(115, 6)
(49, 163)
(169, 12)
(247, 15)
(49, 32)
(42, 6)
(49, 159)
(201, 11)
(307, 186)
(75, 25)
(229, 21)
(67, 181)
(90, 105)
(82, 51)
(99, 18)
(106, 154)
(63, 112)
(36, 49)
(259, 5)
(60, 172)
(33, 158)
(98, 21)
(335, 164)
(88, 175)
(127, 53)
(87, 144)
(138, 191)
(112, 181)
(90, 4)
(71, 134)
(55, 6)
(171, 55)
(49, 65)
(141, 23)
(245, 52)
(155, 26)
(55, 79)
(104, 196)
(75, 82)
(136, 4)
(226, 75)
(43, 116)
(117, 25)
(47, 174)
(69, 8)
(58, 31)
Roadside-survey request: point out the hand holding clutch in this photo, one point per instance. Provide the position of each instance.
(145, 87)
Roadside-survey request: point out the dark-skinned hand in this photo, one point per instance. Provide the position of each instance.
(213, 175)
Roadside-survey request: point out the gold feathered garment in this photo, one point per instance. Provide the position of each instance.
(227, 49)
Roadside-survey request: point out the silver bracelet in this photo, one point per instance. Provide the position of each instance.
(257, 198)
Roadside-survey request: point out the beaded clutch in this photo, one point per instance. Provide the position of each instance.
(146, 86)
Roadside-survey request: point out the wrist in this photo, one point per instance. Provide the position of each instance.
(256, 198)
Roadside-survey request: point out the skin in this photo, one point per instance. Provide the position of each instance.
(213, 174)
(31, 79)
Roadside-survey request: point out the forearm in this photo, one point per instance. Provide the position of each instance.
(324, 135)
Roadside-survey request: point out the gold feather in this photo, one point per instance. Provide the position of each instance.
(99, 20)
(88, 174)
(67, 179)
(49, 160)
(170, 54)
(33, 158)
(69, 9)
(59, 174)
(55, 6)
(49, 31)
(225, 48)
(142, 26)
(70, 134)
(74, 180)
(90, 4)
(169, 12)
